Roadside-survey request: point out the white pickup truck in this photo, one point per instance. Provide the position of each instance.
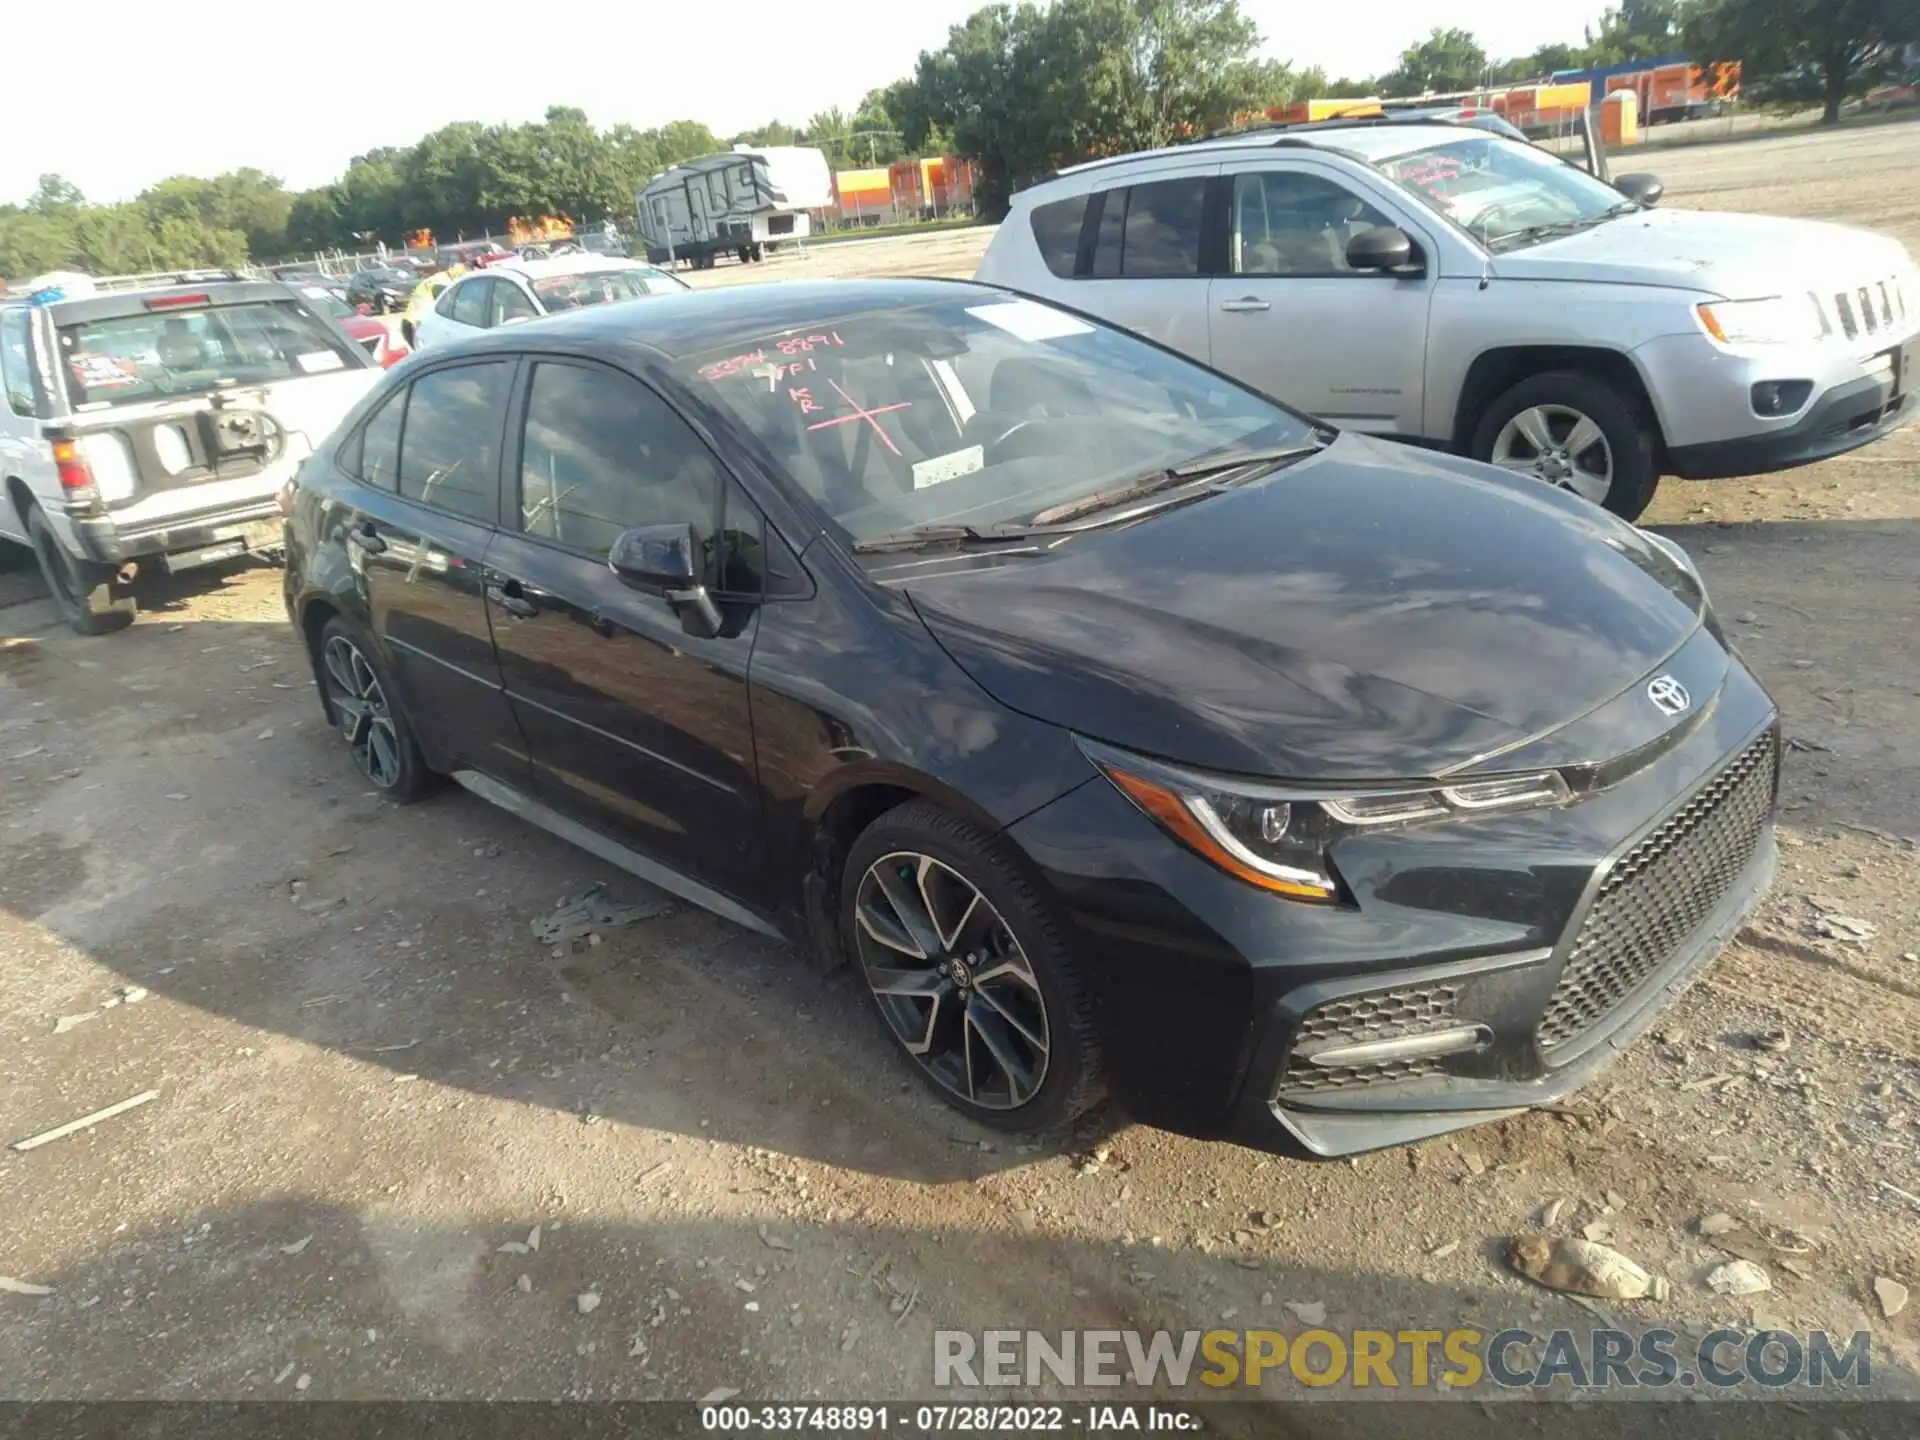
(156, 427)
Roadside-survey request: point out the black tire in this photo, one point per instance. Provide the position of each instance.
(364, 708)
(1019, 936)
(90, 598)
(1630, 433)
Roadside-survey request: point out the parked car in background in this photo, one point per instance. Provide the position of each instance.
(1457, 288)
(155, 427)
(516, 290)
(384, 287)
(369, 332)
(1126, 732)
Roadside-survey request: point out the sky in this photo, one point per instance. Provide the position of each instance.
(298, 91)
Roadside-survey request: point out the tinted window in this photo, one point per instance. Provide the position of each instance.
(1106, 245)
(378, 459)
(510, 302)
(1163, 228)
(1056, 230)
(444, 305)
(16, 359)
(448, 449)
(470, 302)
(602, 454)
(1291, 224)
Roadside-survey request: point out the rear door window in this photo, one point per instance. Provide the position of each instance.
(378, 459)
(470, 302)
(510, 302)
(1162, 235)
(1056, 230)
(450, 444)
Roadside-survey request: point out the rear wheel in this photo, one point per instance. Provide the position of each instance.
(360, 701)
(91, 598)
(1577, 432)
(969, 971)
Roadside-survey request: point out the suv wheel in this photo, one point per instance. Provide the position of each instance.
(359, 696)
(969, 972)
(1575, 431)
(90, 598)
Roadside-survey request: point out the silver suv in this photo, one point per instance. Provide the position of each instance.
(155, 428)
(1454, 287)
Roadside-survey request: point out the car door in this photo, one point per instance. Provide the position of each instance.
(1292, 317)
(635, 727)
(22, 452)
(417, 536)
(461, 312)
(1146, 272)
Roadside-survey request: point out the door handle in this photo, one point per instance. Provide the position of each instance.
(512, 598)
(1245, 305)
(367, 538)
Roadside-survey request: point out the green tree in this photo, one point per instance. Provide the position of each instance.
(1634, 30)
(250, 201)
(1447, 60)
(1795, 52)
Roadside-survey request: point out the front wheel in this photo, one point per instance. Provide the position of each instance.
(970, 971)
(1575, 431)
(360, 700)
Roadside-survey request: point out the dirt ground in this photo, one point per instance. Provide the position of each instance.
(374, 1083)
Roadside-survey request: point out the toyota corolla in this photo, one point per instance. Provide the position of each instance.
(1128, 734)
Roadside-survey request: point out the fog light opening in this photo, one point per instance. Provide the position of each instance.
(1780, 397)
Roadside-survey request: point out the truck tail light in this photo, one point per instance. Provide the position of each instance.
(75, 474)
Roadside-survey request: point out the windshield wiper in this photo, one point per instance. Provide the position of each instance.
(921, 536)
(1563, 227)
(1214, 463)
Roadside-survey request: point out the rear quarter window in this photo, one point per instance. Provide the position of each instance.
(1056, 230)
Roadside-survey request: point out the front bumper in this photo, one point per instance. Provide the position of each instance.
(1704, 395)
(1215, 1004)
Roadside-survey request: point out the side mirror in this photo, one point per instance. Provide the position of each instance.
(1384, 247)
(1641, 188)
(666, 558)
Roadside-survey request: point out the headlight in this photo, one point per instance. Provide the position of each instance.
(1779, 320)
(1671, 550)
(1279, 838)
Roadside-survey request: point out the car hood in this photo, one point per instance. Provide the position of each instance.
(1374, 612)
(1736, 257)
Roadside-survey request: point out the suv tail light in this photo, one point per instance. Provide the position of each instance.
(76, 476)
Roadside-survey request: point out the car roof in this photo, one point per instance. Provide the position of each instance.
(116, 304)
(695, 321)
(581, 263)
(1368, 140)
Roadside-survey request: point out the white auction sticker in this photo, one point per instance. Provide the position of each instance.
(314, 361)
(1026, 320)
(950, 466)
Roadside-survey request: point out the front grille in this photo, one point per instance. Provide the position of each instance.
(1385, 1015)
(1865, 310)
(1661, 891)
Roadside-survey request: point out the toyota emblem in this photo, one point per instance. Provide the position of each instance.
(1668, 695)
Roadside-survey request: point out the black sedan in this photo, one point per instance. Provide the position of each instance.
(384, 287)
(1129, 734)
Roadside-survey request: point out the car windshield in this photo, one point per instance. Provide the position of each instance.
(591, 287)
(977, 411)
(1503, 193)
(157, 355)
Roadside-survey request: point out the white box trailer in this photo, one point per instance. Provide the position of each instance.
(745, 201)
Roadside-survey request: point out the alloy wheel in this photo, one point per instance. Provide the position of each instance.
(361, 712)
(952, 981)
(1559, 445)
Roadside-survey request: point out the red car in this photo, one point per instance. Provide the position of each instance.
(367, 331)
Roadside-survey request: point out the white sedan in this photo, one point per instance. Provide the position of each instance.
(516, 290)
